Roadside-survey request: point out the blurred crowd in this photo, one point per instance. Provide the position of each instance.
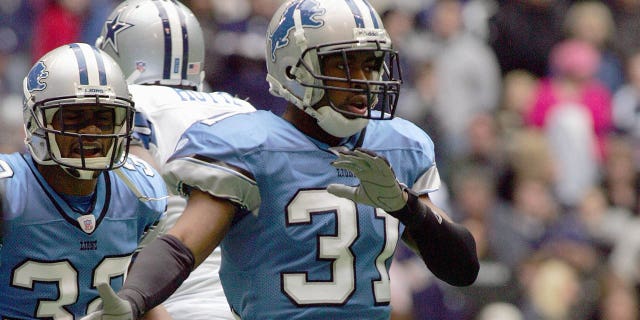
(534, 107)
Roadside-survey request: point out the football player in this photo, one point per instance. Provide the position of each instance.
(75, 206)
(159, 46)
(308, 207)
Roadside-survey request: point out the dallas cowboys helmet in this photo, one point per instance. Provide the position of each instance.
(303, 32)
(76, 74)
(155, 42)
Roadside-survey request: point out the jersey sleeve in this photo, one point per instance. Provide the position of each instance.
(419, 163)
(11, 186)
(212, 156)
(143, 133)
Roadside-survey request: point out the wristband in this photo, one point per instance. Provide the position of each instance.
(415, 213)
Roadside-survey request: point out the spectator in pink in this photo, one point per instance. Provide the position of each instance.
(573, 81)
(59, 22)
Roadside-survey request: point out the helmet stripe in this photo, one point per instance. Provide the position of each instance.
(166, 26)
(357, 15)
(82, 64)
(102, 74)
(372, 12)
(185, 40)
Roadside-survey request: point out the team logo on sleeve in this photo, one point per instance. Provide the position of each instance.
(36, 76)
(309, 12)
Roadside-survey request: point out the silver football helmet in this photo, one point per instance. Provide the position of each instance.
(155, 42)
(303, 32)
(68, 77)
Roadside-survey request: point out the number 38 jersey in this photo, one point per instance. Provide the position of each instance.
(53, 256)
(296, 251)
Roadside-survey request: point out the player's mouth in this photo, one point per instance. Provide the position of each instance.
(88, 149)
(357, 105)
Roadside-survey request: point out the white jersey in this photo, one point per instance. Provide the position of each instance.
(163, 114)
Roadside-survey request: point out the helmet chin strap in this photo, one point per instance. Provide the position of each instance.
(334, 123)
(80, 174)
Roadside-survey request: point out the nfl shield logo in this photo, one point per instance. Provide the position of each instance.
(141, 66)
(87, 223)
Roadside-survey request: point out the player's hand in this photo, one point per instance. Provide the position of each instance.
(113, 307)
(378, 184)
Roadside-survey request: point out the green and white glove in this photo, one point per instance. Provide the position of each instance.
(113, 307)
(378, 184)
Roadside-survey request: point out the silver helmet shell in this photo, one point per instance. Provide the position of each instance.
(302, 32)
(76, 74)
(155, 42)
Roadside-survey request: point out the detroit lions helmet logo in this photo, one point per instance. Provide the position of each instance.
(309, 12)
(36, 76)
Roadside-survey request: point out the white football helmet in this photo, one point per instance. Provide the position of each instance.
(155, 42)
(302, 32)
(72, 75)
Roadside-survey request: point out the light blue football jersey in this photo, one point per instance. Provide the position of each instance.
(296, 251)
(53, 257)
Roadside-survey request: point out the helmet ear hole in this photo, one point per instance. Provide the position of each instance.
(288, 73)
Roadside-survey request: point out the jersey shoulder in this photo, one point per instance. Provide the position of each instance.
(14, 180)
(399, 133)
(144, 181)
(10, 165)
(151, 98)
(244, 133)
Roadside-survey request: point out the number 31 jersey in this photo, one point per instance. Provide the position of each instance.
(296, 251)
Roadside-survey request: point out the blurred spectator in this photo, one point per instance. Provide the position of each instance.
(529, 157)
(475, 204)
(626, 14)
(518, 94)
(569, 132)
(14, 61)
(522, 33)
(618, 301)
(620, 175)
(399, 23)
(574, 64)
(500, 311)
(592, 21)
(625, 257)
(552, 289)
(466, 72)
(476, 15)
(15, 29)
(239, 44)
(417, 103)
(485, 145)
(626, 105)
(59, 22)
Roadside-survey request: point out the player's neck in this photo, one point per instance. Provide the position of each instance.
(308, 125)
(64, 183)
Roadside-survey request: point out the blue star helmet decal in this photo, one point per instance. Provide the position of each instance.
(114, 27)
(309, 12)
(36, 76)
